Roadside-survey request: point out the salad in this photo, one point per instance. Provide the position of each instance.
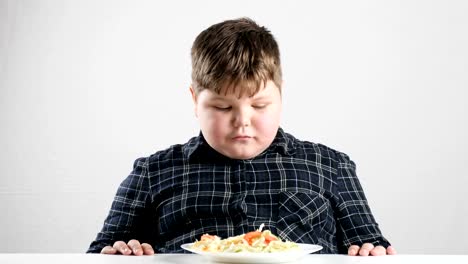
(257, 241)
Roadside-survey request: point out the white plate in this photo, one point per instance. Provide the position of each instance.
(277, 257)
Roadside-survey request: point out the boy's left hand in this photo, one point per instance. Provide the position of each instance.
(369, 249)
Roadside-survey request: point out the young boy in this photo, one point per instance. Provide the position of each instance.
(242, 170)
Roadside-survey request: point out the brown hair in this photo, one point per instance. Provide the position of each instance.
(235, 54)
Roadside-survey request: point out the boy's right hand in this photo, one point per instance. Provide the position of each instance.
(133, 247)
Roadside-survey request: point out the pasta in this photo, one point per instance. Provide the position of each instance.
(254, 242)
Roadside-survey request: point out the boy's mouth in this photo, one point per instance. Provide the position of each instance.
(241, 137)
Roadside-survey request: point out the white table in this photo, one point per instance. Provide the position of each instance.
(15, 258)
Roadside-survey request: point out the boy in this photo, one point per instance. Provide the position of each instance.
(243, 169)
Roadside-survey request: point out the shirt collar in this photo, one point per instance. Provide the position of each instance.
(283, 143)
(194, 144)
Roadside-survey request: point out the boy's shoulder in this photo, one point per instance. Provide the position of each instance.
(173, 153)
(307, 148)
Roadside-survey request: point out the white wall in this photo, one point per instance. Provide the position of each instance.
(86, 87)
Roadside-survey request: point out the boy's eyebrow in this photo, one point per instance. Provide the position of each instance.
(261, 97)
(218, 98)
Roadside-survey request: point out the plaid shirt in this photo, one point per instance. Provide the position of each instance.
(301, 191)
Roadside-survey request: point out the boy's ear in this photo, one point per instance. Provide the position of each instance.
(194, 99)
(192, 91)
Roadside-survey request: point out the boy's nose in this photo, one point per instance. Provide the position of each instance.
(241, 118)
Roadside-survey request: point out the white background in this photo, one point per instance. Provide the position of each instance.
(86, 87)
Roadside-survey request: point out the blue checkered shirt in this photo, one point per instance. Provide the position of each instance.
(302, 191)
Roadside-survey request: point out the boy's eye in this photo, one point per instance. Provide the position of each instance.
(259, 106)
(222, 108)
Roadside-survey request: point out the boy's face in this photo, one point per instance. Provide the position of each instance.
(239, 128)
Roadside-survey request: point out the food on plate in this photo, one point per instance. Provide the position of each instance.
(257, 241)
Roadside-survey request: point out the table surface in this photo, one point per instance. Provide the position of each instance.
(25, 258)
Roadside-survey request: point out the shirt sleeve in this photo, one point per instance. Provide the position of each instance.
(128, 211)
(356, 224)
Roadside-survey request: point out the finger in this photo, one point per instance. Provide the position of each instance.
(108, 250)
(147, 249)
(378, 251)
(135, 246)
(365, 249)
(122, 247)
(353, 250)
(391, 250)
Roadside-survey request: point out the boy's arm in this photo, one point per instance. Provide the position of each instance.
(357, 228)
(128, 214)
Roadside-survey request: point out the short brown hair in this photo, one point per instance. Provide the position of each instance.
(235, 53)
